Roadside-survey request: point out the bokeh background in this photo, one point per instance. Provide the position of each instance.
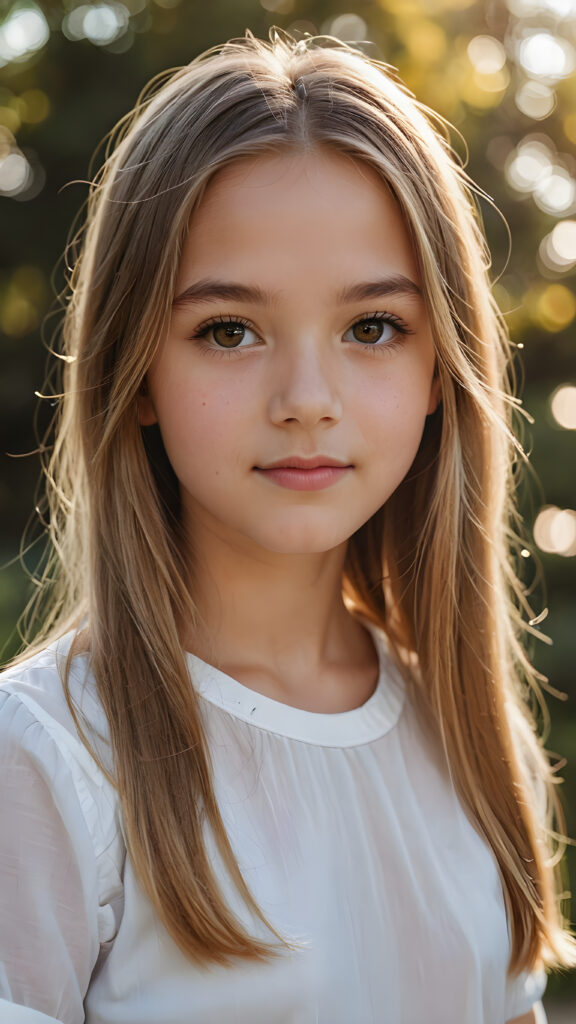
(503, 72)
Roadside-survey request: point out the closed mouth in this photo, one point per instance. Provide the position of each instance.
(297, 462)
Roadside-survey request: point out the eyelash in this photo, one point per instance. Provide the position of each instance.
(399, 325)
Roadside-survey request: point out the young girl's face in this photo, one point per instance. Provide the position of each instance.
(298, 336)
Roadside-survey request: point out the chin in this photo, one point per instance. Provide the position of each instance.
(294, 540)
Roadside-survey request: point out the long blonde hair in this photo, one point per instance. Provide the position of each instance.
(432, 568)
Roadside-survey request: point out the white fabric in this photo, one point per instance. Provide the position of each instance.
(346, 828)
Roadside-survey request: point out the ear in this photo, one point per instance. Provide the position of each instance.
(435, 395)
(146, 411)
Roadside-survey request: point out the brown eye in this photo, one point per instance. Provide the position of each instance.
(371, 331)
(228, 335)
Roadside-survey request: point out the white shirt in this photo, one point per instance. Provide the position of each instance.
(346, 828)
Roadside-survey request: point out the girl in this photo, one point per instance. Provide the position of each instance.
(271, 759)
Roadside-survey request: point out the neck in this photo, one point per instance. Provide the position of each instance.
(274, 620)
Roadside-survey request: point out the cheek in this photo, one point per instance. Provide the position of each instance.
(199, 426)
(392, 413)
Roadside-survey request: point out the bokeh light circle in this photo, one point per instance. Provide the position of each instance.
(486, 54)
(555, 531)
(15, 174)
(24, 32)
(563, 406)
(544, 55)
(535, 99)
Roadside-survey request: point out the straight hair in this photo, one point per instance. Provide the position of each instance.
(433, 567)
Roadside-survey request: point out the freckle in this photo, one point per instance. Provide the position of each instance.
(203, 403)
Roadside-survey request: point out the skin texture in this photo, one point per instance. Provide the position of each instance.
(267, 559)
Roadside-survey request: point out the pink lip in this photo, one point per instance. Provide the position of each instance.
(298, 474)
(300, 462)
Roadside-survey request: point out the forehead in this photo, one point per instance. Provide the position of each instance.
(331, 213)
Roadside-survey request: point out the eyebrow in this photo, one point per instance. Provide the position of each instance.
(208, 289)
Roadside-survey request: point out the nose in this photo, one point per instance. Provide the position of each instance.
(305, 391)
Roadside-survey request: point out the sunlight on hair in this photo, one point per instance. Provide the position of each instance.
(433, 571)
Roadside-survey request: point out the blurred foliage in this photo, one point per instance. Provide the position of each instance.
(502, 72)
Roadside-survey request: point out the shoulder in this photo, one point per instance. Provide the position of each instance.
(34, 688)
(46, 765)
(62, 853)
(42, 672)
(39, 735)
